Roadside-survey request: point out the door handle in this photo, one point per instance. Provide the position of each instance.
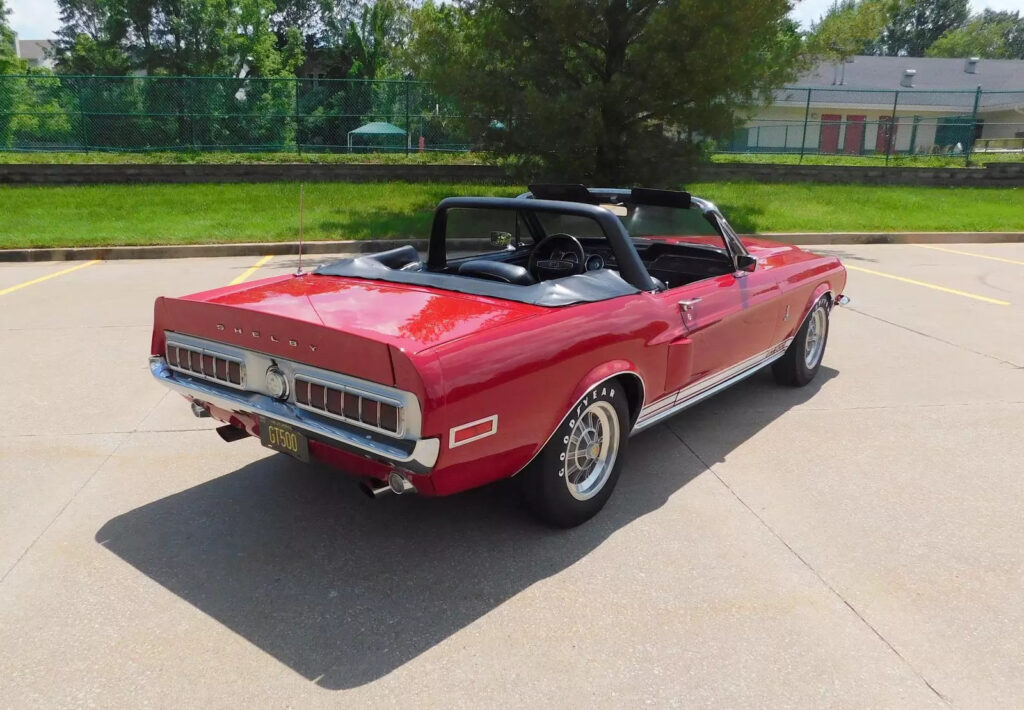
(689, 303)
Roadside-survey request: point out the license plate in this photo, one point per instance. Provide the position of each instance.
(283, 438)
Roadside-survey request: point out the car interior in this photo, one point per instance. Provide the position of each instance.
(546, 253)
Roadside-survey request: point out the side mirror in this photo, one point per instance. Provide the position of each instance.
(745, 262)
(501, 239)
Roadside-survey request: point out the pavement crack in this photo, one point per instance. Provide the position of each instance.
(933, 337)
(835, 592)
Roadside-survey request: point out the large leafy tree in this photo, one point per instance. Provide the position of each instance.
(610, 91)
(178, 37)
(846, 28)
(914, 25)
(990, 35)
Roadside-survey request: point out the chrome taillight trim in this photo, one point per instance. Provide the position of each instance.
(175, 363)
(348, 391)
(255, 365)
(414, 454)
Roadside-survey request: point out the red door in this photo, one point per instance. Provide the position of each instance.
(853, 144)
(885, 128)
(828, 141)
(727, 323)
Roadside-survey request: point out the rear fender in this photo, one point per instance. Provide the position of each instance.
(603, 373)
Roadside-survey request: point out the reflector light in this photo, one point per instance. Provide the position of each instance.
(472, 431)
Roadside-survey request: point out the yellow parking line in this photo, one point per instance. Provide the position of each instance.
(936, 287)
(16, 287)
(968, 253)
(252, 270)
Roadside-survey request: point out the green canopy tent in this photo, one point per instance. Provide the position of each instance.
(379, 135)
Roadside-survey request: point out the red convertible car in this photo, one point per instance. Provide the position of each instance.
(595, 314)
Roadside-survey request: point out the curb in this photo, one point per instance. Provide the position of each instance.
(185, 251)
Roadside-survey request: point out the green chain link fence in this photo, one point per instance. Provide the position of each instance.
(882, 124)
(76, 113)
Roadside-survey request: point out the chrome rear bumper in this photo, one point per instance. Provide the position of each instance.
(416, 455)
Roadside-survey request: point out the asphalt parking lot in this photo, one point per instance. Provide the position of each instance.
(858, 543)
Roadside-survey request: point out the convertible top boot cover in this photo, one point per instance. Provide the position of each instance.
(590, 287)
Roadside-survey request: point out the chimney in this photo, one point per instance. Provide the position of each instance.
(908, 78)
(971, 65)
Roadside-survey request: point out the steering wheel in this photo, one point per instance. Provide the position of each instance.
(557, 255)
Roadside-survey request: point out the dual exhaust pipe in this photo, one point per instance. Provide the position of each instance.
(372, 487)
(396, 483)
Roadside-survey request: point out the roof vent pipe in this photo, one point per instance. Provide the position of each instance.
(971, 65)
(908, 78)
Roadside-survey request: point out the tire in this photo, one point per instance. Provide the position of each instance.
(598, 424)
(802, 360)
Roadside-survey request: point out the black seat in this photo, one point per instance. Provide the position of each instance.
(497, 271)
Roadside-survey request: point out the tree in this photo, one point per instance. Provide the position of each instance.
(176, 37)
(990, 35)
(9, 61)
(373, 41)
(914, 25)
(610, 91)
(846, 28)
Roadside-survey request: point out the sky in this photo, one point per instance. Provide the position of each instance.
(37, 19)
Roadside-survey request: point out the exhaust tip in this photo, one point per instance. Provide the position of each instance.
(199, 410)
(373, 488)
(400, 484)
(231, 433)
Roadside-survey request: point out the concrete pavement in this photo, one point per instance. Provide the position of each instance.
(853, 544)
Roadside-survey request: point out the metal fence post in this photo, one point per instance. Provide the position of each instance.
(298, 129)
(974, 127)
(408, 128)
(892, 128)
(807, 115)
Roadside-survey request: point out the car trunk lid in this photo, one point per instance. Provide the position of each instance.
(337, 323)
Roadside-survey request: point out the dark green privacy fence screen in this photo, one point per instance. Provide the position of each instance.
(55, 112)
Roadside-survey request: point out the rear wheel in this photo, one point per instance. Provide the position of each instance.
(802, 359)
(574, 474)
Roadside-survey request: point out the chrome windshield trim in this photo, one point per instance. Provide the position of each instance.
(421, 457)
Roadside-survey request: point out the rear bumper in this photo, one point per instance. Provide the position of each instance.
(416, 455)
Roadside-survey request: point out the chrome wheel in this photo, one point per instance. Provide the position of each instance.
(815, 341)
(590, 450)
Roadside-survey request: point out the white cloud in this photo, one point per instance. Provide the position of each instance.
(34, 19)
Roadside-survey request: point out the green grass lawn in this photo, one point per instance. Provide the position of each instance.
(196, 214)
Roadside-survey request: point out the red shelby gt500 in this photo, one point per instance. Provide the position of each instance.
(595, 314)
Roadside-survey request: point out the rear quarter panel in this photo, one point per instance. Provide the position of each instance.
(530, 374)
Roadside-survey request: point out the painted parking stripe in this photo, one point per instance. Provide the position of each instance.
(925, 284)
(969, 253)
(16, 287)
(252, 269)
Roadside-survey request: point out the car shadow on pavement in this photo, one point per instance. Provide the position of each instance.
(345, 590)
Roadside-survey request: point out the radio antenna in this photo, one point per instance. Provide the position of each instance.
(302, 200)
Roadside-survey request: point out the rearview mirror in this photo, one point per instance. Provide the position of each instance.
(501, 239)
(745, 262)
